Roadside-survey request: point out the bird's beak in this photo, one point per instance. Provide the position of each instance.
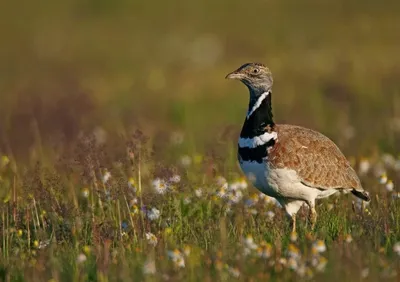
(235, 75)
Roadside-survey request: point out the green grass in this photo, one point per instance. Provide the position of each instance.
(67, 223)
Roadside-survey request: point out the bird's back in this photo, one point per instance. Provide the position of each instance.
(316, 159)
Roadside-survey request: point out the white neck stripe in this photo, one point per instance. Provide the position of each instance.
(257, 140)
(257, 103)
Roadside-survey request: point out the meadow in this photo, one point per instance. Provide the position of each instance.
(118, 138)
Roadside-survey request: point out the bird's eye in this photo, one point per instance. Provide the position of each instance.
(255, 71)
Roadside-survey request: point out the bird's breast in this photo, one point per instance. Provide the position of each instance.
(259, 175)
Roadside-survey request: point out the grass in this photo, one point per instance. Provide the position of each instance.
(101, 101)
(98, 217)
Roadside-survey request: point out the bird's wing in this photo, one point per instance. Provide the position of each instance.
(316, 159)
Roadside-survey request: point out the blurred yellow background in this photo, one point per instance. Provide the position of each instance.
(68, 66)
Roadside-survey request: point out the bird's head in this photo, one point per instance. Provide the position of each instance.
(255, 76)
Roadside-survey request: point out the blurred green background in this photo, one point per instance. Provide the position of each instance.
(69, 66)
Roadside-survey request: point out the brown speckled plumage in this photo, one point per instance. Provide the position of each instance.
(317, 160)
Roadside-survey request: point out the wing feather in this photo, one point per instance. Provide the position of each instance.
(317, 160)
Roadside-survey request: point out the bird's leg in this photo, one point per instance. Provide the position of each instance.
(293, 223)
(291, 207)
(312, 217)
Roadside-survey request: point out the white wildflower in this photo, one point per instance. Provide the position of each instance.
(81, 258)
(249, 242)
(293, 251)
(176, 178)
(239, 184)
(233, 186)
(43, 244)
(364, 166)
(198, 192)
(242, 184)
(177, 257)
(268, 200)
(270, 214)
(348, 239)
(234, 272)
(151, 239)
(361, 205)
(180, 262)
(318, 247)
(319, 262)
(132, 184)
(106, 176)
(292, 263)
(264, 250)
(283, 261)
(222, 193)
(186, 161)
(253, 211)
(389, 186)
(85, 192)
(221, 181)
(255, 197)
(160, 186)
(383, 178)
(153, 214)
(235, 196)
(396, 248)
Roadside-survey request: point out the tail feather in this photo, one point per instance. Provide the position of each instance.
(363, 195)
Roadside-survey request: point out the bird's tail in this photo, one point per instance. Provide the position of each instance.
(362, 194)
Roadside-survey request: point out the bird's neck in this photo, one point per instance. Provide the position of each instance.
(258, 133)
(259, 117)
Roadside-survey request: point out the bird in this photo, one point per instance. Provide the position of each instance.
(293, 164)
